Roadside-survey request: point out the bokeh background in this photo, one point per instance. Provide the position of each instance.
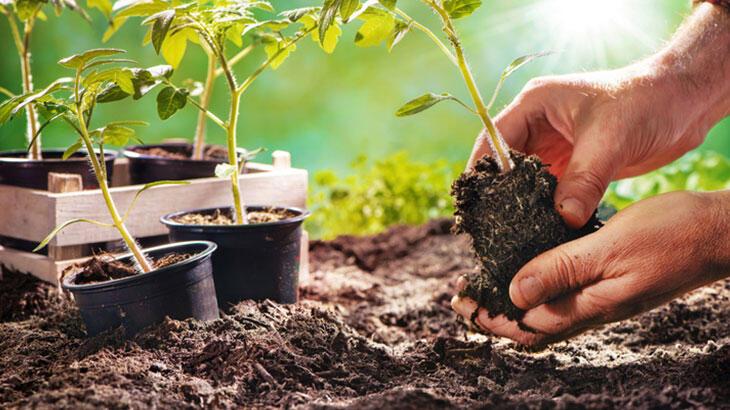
(333, 110)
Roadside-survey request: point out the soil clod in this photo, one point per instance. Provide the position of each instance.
(104, 267)
(511, 218)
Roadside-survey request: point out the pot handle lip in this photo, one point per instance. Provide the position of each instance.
(210, 247)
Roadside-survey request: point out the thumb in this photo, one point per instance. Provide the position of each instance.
(591, 168)
(557, 271)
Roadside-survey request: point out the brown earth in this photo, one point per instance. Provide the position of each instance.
(374, 331)
(210, 153)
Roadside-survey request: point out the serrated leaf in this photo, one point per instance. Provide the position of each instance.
(277, 53)
(59, 228)
(160, 27)
(461, 8)
(119, 76)
(347, 7)
(225, 170)
(425, 102)
(174, 46)
(376, 29)
(78, 60)
(330, 39)
(143, 81)
(72, 150)
(38, 95)
(327, 16)
(170, 100)
(118, 135)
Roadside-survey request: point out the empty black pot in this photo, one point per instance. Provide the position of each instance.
(253, 262)
(16, 169)
(145, 168)
(178, 291)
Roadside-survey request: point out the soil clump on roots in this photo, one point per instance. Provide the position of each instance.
(381, 337)
(511, 218)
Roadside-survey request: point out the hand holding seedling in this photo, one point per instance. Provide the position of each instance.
(594, 128)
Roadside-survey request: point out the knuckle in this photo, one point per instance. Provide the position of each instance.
(565, 269)
(535, 85)
(590, 181)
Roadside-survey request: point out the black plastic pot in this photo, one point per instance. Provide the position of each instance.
(178, 291)
(253, 262)
(16, 169)
(144, 168)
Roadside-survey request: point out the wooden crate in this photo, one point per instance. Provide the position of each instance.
(30, 215)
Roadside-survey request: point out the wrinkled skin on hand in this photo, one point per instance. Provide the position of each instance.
(646, 255)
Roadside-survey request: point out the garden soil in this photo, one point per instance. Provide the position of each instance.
(374, 330)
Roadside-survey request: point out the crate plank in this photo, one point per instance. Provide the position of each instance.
(25, 213)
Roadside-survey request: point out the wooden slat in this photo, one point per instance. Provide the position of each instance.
(25, 213)
(283, 187)
(40, 266)
(62, 183)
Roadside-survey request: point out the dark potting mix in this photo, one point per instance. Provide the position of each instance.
(511, 218)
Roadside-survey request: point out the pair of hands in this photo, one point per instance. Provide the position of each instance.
(593, 128)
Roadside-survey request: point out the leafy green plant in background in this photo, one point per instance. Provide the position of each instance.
(388, 191)
(383, 21)
(73, 101)
(25, 14)
(215, 25)
(696, 171)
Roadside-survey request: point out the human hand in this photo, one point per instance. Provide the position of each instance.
(646, 255)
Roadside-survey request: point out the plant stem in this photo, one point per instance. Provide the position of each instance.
(100, 174)
(241, 215)
(235, 59)
(496, 142)
(23, 46)
(199, 141)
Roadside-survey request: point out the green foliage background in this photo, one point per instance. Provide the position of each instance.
(328, 110)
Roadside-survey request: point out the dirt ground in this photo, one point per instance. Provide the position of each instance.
(374, 330)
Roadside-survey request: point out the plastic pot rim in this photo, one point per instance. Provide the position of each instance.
(170, 222)
(210, 247)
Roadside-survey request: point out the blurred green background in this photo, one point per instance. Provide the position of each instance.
(329, 110)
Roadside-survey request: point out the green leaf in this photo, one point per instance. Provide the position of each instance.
(143, 81)
(27, 9)
(170, 100)
(117, 134)
(160, 27)
(108, 61)
(39, 95)
(174, 46)
(78, 60)
(225, 170)
(59, 228)
(347, 7)
(376, 29)
(296, 14)
(461, 8)
(72, 149)
(511, 68)
(7, 107)
(146, 187)
(398, 33)
(425, 102)
(119, 76)
(327, 16)
(276, 52)
(389, 4)
(105, 6)
(138, 8)
(330, 39)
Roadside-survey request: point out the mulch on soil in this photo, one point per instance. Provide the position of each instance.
(374, 330)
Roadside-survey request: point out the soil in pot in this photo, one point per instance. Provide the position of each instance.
(102, 268)
(17, 170)
(110, 292)
(172, 161)
(255, 261)
(511, 218)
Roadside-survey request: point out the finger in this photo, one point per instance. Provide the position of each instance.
(590, 169)
(498, 325)
(461, 283)
(566, 316)
(562, 269)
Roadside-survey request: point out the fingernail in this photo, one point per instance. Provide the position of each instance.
(531, 290)
(573, 207)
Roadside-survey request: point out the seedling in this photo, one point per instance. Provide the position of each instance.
(73, 101)
(384, 22)
(22, 16)
(213, 25)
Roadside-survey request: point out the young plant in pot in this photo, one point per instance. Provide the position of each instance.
(504, 202)
(29, 168)
(143, 286)
(179, 160)
(258, 246)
